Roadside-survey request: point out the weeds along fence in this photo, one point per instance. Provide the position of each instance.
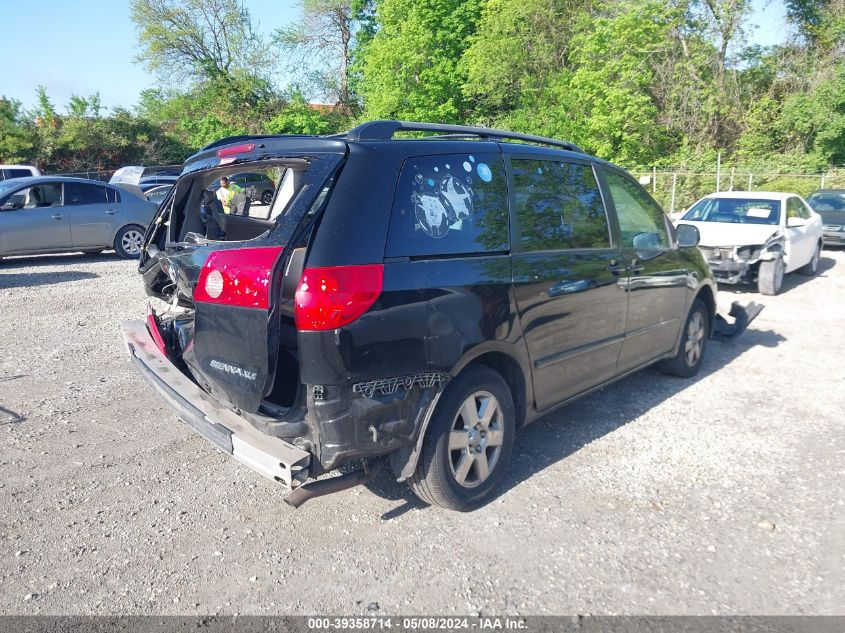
(677, 189)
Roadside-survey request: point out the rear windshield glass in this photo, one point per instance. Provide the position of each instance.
(735, 210)
(449, 204)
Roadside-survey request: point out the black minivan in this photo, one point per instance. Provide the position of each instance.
(416, 294)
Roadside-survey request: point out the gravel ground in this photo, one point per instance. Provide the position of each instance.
(718, 495)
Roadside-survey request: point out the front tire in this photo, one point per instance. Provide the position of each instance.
(687, 361)
(770, 277)
(812, 267)
(468, 442)
(267, 197)
(128, 242)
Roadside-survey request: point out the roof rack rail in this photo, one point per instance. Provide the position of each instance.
(384, 130)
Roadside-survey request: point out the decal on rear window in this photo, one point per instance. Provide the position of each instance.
(449, 204)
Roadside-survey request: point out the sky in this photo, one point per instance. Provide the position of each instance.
(88, 46)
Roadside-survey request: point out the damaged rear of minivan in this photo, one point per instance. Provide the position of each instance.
(229, 281)
(225, 350)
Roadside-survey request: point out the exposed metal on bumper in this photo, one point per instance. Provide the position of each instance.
(232, 434)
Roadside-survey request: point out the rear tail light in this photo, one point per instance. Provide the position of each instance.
(329, 298)
(239, 277)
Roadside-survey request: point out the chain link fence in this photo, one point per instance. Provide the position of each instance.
(679, 189)
(105, 175)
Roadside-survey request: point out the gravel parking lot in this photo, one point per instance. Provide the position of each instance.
(657, 495)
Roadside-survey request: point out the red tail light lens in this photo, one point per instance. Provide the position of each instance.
(238, 277)
(235, 149)
(329, 298)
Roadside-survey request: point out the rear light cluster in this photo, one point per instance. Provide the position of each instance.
(326, 298)
(331, 297)
(238, 277)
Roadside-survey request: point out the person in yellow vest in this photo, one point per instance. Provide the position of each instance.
(226, 193)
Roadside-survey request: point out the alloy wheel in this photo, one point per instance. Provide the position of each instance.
(694, 345)
(132, 241)
(475, 440)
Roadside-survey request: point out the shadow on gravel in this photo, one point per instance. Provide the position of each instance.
(64, 259)
(565, 431)
(30, 280)
(7, 416)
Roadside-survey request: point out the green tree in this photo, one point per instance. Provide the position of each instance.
(519, 47)
(321, 44)
(300, 117)
(410, 69)
(18, 136)
(198, 40)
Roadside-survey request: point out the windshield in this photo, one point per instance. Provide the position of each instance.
(830, 205)
(735, 210)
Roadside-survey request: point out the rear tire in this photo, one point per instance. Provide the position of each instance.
(687, 361)
(812, 267)
(128, 241)
(468, 442)
(770, 277)
(267, 197)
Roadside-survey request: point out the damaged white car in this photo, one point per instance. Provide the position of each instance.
(757, 237)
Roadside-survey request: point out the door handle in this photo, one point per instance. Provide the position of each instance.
(615, 267)
(111, 211)
(635, 267)
(57, 216)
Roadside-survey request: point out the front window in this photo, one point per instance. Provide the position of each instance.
(34, 198)
(735, 211)
(641, 220)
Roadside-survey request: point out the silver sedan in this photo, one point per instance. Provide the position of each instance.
(56, 215)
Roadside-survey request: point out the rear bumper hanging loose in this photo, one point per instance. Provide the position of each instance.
(272, 457)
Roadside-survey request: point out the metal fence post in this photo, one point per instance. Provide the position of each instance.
(731, 188)
(822, 185)
(718, 172)
(654, 180)
(750, 181)
(674, 182)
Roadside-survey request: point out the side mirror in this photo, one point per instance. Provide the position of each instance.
(8, 206)
(687, 235)
(794, 223)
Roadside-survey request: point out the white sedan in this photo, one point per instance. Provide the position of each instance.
(757, 237)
